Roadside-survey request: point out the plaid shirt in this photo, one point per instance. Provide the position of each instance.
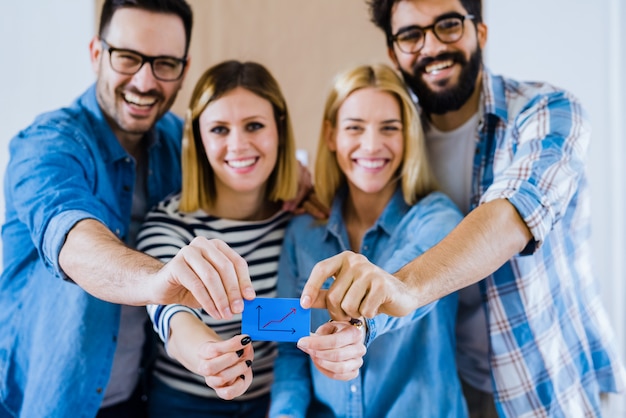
(551, 347)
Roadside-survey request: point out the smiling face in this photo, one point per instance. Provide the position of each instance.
(132, 104)
(443, 76)
(240, 138)
(368, 141)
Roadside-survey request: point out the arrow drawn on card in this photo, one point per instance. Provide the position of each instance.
(291, 312)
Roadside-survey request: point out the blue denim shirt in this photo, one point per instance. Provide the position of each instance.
(57, 341)
(409, 369)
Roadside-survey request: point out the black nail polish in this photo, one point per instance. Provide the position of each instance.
(242, 377)
(245, 340)
(249, 363)
(240, 353)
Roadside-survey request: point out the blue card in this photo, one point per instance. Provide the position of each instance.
(275, 319)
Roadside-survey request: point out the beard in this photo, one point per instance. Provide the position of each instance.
(453, 97)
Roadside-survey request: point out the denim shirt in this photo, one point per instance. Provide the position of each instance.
(56, 341)
(409, 368)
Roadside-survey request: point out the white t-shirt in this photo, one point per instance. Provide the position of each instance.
(451, 155)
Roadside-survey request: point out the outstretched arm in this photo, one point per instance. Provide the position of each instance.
(205, 273)
(483, 241)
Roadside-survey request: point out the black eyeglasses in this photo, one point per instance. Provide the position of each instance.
(447, 28)
(129, 62)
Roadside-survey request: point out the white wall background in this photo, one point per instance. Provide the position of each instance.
(575, 44)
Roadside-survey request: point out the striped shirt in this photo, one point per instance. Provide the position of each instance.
(165, 231)
(552, 350)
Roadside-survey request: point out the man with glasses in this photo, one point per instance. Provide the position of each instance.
(532, 333)
(78, 183)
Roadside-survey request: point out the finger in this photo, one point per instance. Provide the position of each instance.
(243, 285)
(314, 201)
(344, 370)
(219, 269)
(313, 209)
(212, 349)
(346, 336)
(222, 360)
(229, 375)
(319, 274)
(237, 386)
(183, 272)
(336, 296)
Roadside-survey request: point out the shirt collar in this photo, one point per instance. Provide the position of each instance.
(387, 221)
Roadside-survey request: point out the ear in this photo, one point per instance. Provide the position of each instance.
(392, 56)
(95, 53)
(329, 136)
(481, 33)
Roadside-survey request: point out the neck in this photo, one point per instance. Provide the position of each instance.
(361, 211)
(452, 120)
(243, 206)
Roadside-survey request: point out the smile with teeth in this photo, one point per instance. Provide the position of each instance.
(241, 163)
(138, 100)
(371, 163)
(435, 67)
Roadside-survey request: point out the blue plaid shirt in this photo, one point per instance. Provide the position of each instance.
(551, 347)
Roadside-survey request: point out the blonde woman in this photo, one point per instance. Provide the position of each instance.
(372, 171)
(239, 167)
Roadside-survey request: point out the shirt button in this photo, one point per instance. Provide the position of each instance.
(99, 390)
(366, 247)
(127, 188)
(353, 388)
(127, 159)
(117, 232)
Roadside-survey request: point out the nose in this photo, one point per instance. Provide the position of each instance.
(432, 46)
(369, 141)
(143, 79)
(237, 140)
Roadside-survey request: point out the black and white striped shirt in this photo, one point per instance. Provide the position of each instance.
(165, 231)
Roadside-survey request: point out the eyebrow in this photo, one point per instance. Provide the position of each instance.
(443, 16)
(387, 121)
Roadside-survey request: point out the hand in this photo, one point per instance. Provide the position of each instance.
(225, 365)
(360, 289)
(206, 273)
(306, 201)
(337, 349)
(313, 207)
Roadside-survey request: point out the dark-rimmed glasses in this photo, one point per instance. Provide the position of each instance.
(129, 62)
(447, 28)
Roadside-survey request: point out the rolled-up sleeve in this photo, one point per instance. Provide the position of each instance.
(540, 166)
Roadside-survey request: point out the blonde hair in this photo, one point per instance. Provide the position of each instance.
(416, 175)
(198, 189)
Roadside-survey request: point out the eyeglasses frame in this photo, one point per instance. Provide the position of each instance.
(463, 18)
(144, 58)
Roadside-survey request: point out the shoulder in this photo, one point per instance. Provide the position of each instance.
(515, 98)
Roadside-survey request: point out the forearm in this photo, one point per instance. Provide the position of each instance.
(485, 239)
(187, 334)
(94, 258)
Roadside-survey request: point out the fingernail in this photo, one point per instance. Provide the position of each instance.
(305, 301)
(249, 293)
(242, 377)
(238, 306)
(245, 340)
(240, 353)
(303, 344)
(249, 363)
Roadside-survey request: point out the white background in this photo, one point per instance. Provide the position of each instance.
(575, 44)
